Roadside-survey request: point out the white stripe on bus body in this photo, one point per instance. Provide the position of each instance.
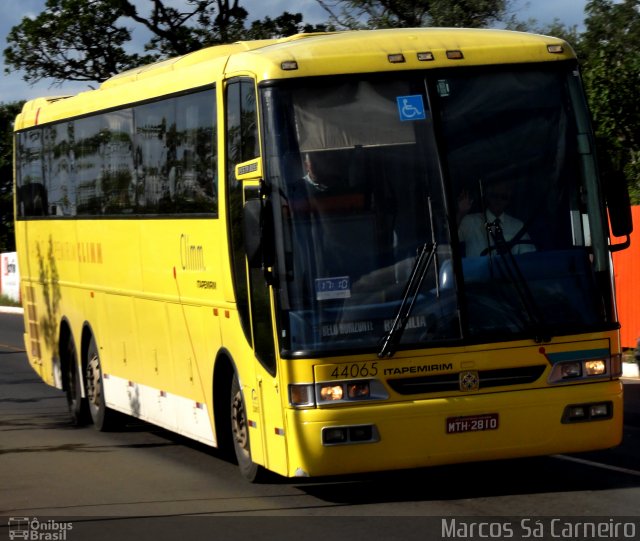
(173, 412)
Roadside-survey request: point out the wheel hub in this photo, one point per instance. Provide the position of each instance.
(239, 422)
(93, 381)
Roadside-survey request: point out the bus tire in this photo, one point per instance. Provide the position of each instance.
(240, 435)
(104, 419)
(78, 406)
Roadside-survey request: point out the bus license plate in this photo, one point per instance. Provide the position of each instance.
(472, 423)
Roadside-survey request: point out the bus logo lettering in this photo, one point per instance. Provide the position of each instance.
(403, 370)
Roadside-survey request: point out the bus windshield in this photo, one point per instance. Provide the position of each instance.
(491, 170)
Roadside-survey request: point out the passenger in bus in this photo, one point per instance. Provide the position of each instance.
(311, 177)
(480, 231)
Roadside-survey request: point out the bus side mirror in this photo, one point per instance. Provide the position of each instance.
(258, 233)
(257, 221)
(619, 205)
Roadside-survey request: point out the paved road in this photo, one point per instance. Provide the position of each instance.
(143, 482)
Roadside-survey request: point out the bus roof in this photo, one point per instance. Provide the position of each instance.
(308, 55)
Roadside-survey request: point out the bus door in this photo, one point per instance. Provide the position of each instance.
(263, 396)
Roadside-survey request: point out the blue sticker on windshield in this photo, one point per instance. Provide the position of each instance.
(411, 107)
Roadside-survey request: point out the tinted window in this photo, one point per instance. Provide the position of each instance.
(153, 158)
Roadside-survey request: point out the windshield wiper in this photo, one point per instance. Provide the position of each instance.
(425, 257)
(514, 274)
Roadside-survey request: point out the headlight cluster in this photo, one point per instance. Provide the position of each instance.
(605, 368)
(336, 392)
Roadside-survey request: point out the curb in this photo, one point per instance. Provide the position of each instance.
(11, 310)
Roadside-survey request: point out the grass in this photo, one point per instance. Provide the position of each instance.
(6, 301)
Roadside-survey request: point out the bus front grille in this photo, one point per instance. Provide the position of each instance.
(451, 382)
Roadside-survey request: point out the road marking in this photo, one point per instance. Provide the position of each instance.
(12, 348)
(584, 462)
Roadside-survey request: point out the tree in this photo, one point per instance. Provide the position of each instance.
(287, 24)
(358, 14)
(610, 53)
(556, 28)
(173, 31)
(71, 40)
(86, 40)
(8, 113)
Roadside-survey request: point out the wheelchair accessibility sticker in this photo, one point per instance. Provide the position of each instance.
(411, 107)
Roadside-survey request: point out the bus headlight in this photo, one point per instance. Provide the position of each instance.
(570, 370)
(595, 368)
(350, 391)
(358, 390)
(329, 393)
(336, 392)
(564, 372)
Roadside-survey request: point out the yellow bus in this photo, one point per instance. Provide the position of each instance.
(297, 250)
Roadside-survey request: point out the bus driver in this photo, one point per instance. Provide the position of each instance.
(478, 230)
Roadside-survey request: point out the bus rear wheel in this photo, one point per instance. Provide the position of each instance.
(240, 435)
(104, 419)
(78, 407)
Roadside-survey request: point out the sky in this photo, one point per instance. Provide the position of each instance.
(14, 88)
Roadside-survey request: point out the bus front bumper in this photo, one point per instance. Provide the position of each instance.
(418, 433)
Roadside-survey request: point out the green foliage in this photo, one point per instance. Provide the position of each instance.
(287, 24)
(71, 40)
(358, 14)
(7, 301)
(86, 40)
(8, 113)
(175, 32)
(466, 13)
(610, 53)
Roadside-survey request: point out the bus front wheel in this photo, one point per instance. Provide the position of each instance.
(240, 435)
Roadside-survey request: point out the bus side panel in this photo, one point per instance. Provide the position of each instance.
(31, 296)
(273, 395)
(110, 271)
(117, 338)
(156, 365)
(194, 335)
(49, 285)
(159, 337)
